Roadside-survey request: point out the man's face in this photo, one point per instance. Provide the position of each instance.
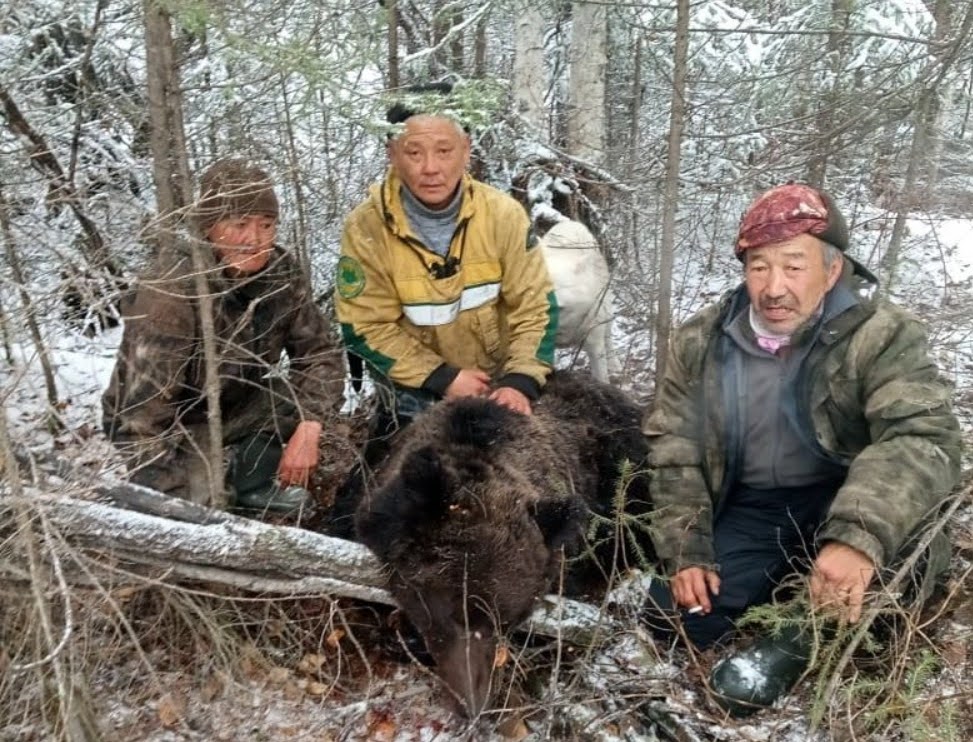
(430, 157)
(787, 280)
(243, 244)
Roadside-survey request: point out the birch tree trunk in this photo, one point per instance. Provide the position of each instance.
(942, 11)
(529, 79)
(300, 239)
(480, 49)
(587, 63)
(8, 351)
(829, 104)
(634, 236)
(170, 171)
(920, 143)
(392, 37)
(457, 50)
(438, 60)
(677, 116)
(170, 163)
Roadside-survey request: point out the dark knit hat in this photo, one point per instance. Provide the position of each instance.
(234, 187)
(788, 210)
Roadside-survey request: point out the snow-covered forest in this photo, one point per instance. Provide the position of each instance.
(653, 123)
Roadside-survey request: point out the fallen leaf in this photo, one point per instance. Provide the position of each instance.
(954, 653)
(212, 688)
(292, 691)
(382, 731)
(124, 594)
(310, 663)
(501, 656)
(317, 689)
(253, 664)
(170, 709)
(334, 637)
(278, 675)
(513, 728)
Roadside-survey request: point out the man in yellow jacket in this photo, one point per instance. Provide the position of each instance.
(440, 288)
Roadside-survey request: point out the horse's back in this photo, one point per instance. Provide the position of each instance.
(580, 276)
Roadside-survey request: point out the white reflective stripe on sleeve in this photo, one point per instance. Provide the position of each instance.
(431, 315)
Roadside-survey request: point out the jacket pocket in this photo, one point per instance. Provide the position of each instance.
(489, 328)
(842, 429)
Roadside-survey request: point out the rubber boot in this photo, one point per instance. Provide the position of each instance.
(274, 499)
(253, 473)
(756, 677)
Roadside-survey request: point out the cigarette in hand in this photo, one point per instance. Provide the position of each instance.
(695, 609)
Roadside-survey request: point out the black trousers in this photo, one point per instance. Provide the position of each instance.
(760, 538)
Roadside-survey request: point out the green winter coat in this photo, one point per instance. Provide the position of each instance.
(869, 397)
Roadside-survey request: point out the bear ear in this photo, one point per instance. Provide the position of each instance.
(425, 483)
(421, 467)
(480, 423)
(559, 521)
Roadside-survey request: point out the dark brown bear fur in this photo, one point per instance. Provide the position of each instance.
(476, 505)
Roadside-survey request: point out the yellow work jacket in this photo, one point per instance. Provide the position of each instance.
(489, 304)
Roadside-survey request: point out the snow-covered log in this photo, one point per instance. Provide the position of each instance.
(140, 525)
(277, 558)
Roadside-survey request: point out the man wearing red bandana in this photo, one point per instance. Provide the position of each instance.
(801, 429)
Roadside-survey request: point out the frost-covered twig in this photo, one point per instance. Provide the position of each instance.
(68, 610)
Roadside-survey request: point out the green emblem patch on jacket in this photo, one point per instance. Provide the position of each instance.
(351, 277)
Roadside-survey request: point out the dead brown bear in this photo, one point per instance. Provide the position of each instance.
(477, 506)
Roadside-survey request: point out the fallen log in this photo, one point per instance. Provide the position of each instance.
(142, 526)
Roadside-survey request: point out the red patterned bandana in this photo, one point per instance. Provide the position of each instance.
(780, 214)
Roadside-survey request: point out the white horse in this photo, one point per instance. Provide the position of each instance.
(580, 276)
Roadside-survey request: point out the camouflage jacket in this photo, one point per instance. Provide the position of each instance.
(157, 385)
(868, 397)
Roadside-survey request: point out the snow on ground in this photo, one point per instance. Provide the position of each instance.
(82, 367)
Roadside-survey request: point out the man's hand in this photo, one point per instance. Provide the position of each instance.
(692, 586)
(300, 455)
(839, 578)
(512, 399)
(469, 382)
